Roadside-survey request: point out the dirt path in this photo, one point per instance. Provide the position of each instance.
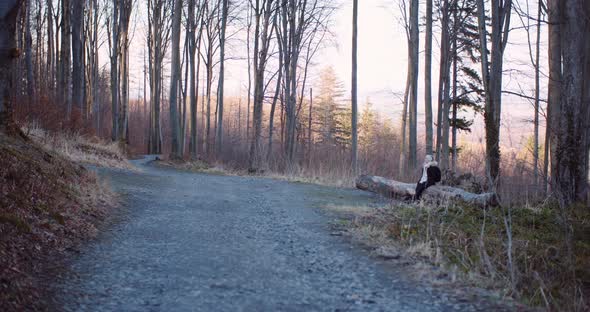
(195, 242)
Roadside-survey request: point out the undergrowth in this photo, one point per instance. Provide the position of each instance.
(472, 243)
(296, 175)
(79, 148)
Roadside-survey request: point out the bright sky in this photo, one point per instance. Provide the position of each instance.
(383, 61)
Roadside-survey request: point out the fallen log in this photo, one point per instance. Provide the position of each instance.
(396, 189)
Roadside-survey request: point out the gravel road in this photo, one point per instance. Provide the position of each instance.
(198, 242)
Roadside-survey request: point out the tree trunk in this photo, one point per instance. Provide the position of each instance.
(65, 61)
(50, 48)
(249, 75)
(174, 77)
(554, 88)
(124, 15)
(9, 10)
(454, 60)
(220, 86)
(414, 60)
(354, 165)
(444, 87)
(492, 78)
(115, 73)
(395, 189)
(29, 52)
(537, 65)
(78, 57)
(428, 77)
(571, 175)
(195, 44)
(274, 102)
(254, 159)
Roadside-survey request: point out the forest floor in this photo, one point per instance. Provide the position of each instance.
(49, 203)
(209, 242)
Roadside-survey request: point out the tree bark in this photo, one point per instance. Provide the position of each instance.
(428, 78)
(354, 163)
(571, 152)
(492, 78)
(444, 87)
(274, 100)
(174, 77)
(219, 129)
(50, 48)
(124, 16)
(29, 52)
(554, 88)
(395, 189)
(537, 65)
(9, 10)
(65, 61)
(262, 35)
(114, 42)
(414, 60)
(78, 57)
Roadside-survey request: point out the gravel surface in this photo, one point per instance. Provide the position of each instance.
(197, 242)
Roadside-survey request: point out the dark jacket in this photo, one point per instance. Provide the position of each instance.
(434, 175)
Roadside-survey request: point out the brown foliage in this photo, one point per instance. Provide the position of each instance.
(47, 204)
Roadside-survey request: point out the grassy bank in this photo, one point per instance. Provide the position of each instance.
(519, 253)
(48, 204)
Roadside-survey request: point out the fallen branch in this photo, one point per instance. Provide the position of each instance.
(396, 189)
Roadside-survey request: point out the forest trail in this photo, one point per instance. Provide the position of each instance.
(197, 242)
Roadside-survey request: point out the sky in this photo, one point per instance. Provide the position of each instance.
(382, 64)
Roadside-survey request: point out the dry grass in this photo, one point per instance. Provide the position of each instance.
(470, 247)
(198, 166)
(337, 180)
(350, 209)
(81, 149)
(295, 175)
(48, 204)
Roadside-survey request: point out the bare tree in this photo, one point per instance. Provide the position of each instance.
(569, 156)
(414, 45)
(492, 76)
(92, 44)
(211, 45)
(51, 57)
(158, 40)
(300, 20)
(195, 31)
(354, 85)
(537, 66)
(29, 50)
(444, 87)
(118, 31)
(113, 32)
(126, 7)
(263, 13)
(428, 77)
(64, 80)
(174, 78)
(220, 85)
(279, 81)
(78, 62)
(9, 10)
(404, 126)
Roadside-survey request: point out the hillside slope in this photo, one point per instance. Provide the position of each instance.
(47, 204)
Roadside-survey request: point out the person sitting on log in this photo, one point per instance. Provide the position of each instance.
(430, 176)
